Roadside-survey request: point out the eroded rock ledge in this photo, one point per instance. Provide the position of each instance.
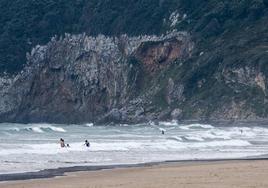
(78, 78)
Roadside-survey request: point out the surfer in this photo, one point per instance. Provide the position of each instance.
(87, 144)
(162, 131)
(62, 144)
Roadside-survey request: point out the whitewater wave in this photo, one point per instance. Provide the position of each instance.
(39, 128)
(196, 126)
(235, 143)
(151, 123)
(175, 138)
(193, 138)
(54, 148)
(89, 124)
(174, 143)
(162, 130)
(169, 123)
(235, 132)
(35, 129)
(27, 147)
(216, 135)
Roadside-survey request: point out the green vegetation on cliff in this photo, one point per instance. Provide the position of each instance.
(224, 77)
(24, 24)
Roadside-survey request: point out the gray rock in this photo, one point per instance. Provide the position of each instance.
(176, 113)
(79, 78)
(174, 92)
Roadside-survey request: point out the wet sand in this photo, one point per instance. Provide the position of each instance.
(221, 174)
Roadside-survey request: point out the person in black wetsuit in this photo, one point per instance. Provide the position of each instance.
(87, 144)
(62, 144)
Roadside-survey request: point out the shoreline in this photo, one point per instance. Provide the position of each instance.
(62, 171)
(228, 122)
(203, 174)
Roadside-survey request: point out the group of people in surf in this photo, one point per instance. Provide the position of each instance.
(87, 144)
(63, 145)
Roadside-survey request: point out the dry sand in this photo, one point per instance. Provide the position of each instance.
(227, 174)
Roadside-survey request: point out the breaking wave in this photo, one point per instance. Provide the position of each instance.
(168, 123)
(39, 128)
(124, 144)
(89, 124)
(196, 126)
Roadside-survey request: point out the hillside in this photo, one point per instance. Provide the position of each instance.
(132, 61)
(24, 24)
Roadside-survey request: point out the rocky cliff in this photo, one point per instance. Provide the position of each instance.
(215, 69)
(78, 78)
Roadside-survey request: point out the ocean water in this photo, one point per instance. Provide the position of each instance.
(33, 147)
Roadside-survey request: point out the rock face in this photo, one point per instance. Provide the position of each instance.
(216, 69)
(157, 55)
(80, 78)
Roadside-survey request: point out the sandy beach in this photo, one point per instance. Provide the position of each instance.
(225, 174)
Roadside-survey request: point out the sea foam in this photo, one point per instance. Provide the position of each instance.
(30, 147)
(38, 128)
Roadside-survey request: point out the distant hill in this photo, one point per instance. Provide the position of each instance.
(24, 24)
(208, 60)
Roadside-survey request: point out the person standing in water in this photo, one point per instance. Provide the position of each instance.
(62, 144)
(87, 144)
(162, 131)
